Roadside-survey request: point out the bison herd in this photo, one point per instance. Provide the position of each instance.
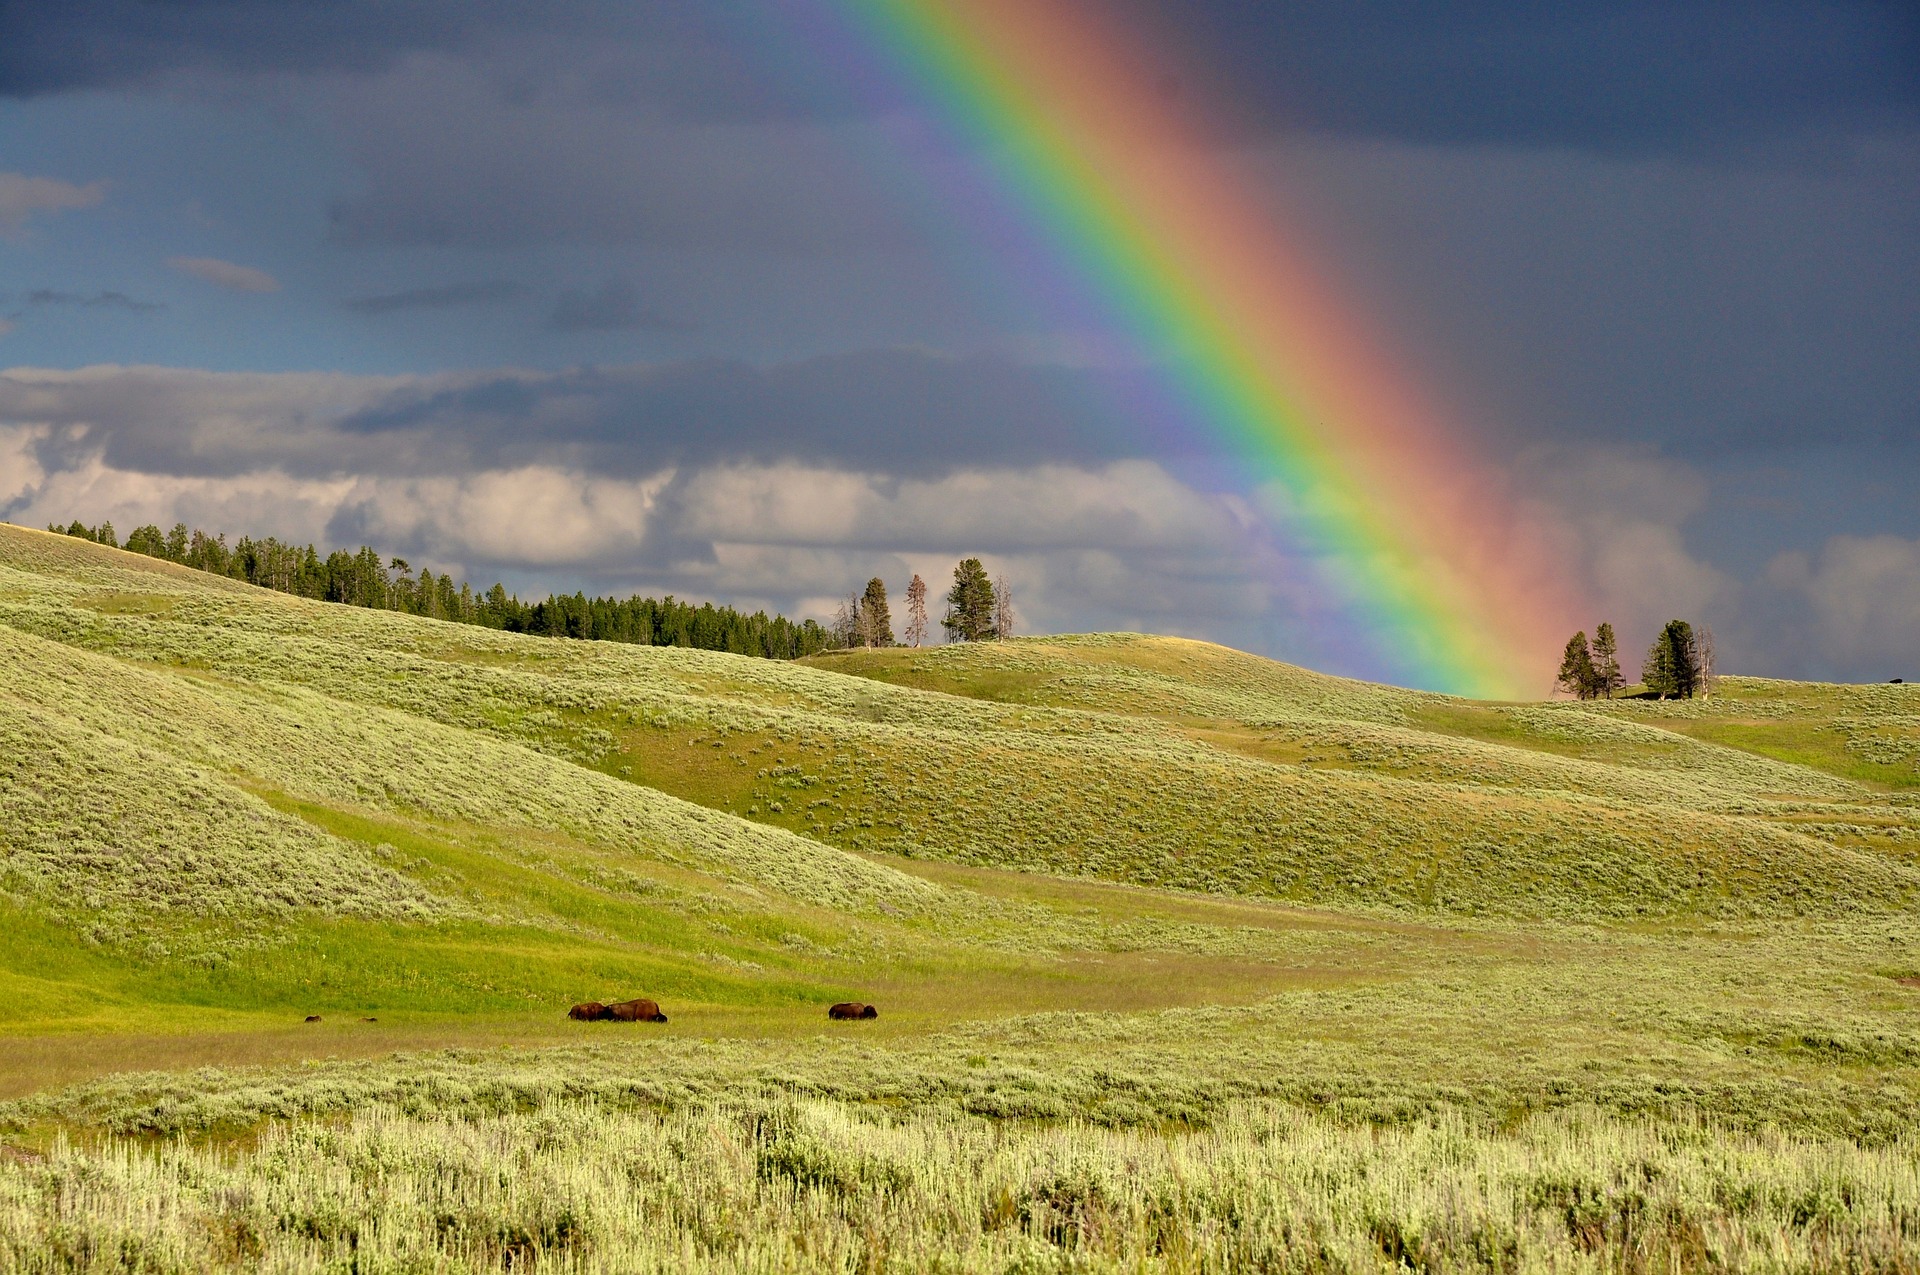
(646, 1011)
(634, 1011)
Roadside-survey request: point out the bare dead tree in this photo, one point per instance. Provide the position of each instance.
(916, 631)
(846, 622)
(1002, 608)
(1703, 652)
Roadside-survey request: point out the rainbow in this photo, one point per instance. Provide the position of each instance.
(1438, 572)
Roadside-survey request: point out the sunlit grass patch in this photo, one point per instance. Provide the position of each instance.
(810, 1185)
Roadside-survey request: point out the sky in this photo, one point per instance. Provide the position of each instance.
(653, 297)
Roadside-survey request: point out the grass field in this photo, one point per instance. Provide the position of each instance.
(1186, 960)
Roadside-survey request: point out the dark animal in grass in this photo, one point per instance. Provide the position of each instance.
(636, 1011)
(852, 1009)
(591, 1011)
(313, 1018)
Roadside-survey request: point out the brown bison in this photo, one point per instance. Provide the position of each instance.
(852, 1009)
(591, 1011)
(636, 1011)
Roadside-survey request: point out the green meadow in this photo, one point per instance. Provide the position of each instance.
(1186, 960)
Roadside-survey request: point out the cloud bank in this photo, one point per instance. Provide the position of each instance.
(551, 480)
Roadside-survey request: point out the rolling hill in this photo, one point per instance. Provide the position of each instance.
(1127, 882)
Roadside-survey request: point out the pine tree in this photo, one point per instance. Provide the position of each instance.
(1002, 609)
(876, 622)
(147, 540)
(916, 611)
(1576, 668)
(969, 616)
(1606, 661)
(1656, 670)
(1672, 668)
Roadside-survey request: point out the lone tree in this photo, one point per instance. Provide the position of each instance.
(1606, 661)
(876, 622)
(969, 616)
(916, 631)
(1002, 608)
(1577, 676)
(1672, 667)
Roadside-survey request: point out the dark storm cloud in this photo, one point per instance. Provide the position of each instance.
(899, 412)
(1610, 76)
(659, 55)
(1606, 76)
(81, 44)
(444, 297)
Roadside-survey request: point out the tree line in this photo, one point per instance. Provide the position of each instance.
(1679, 664)
(362, 579)
(979, 609)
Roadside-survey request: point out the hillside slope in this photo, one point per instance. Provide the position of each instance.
(220, 802)
(1156, 891)
(1145, 760)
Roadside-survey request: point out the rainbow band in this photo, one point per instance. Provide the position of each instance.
(1252, 347)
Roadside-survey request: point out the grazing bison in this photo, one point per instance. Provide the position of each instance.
(636, 1011)
(589, 1012)
(852, 1009)
(313, 1018)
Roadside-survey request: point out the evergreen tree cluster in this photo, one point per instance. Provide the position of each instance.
(1591, 671)
(979, 609)
(1679, 665)
(362, 579)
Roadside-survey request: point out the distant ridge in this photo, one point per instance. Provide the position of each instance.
(360, 579)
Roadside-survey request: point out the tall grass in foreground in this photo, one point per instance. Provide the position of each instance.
(828, 1187)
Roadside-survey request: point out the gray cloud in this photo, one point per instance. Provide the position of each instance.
(615, 307)
(451, 159)
(899, 411)
(1851, 610)
(225, 274)
(443, 297)
(97, 301)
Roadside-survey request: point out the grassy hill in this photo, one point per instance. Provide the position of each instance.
(1182, 906)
